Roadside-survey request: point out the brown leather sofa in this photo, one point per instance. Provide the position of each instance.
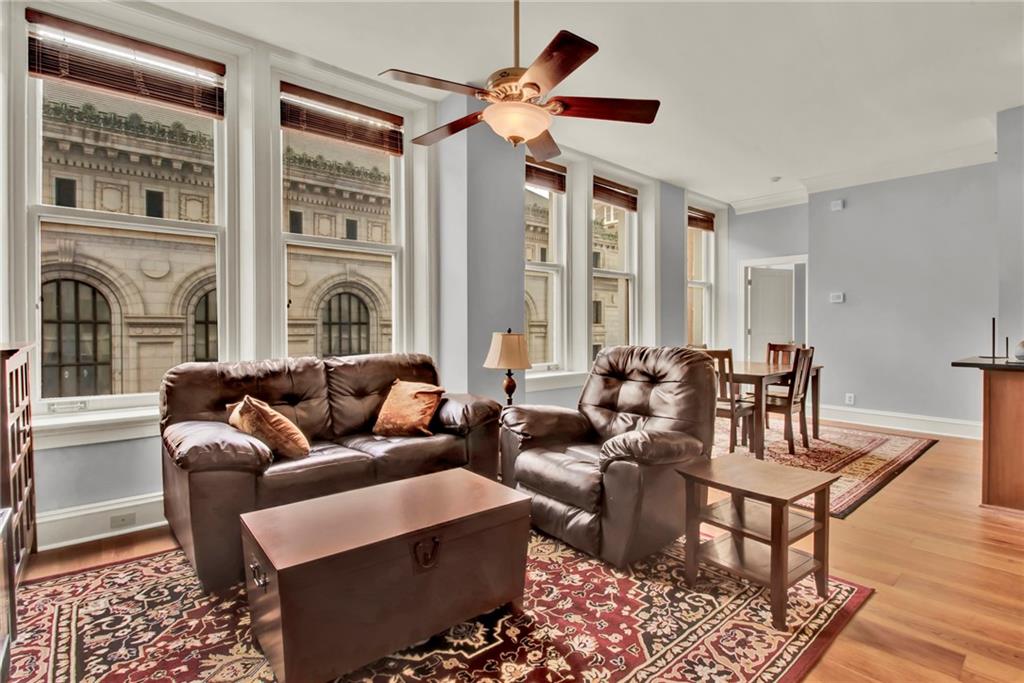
(212, 472)
(603, 477)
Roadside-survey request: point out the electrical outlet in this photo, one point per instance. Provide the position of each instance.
(122, 521)
(850, 399)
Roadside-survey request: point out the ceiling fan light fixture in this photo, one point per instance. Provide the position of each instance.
(517, 122)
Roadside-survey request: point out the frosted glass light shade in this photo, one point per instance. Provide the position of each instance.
(517, 121)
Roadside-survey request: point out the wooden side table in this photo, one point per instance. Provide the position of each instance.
(760, 522)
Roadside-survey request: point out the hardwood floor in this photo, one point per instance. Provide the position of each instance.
(948, 576)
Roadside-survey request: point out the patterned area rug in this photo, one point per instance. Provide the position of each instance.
(866, 461)
(148, 620)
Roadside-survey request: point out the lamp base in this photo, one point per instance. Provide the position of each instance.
(509, 386)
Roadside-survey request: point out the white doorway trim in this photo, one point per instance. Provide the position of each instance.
(741, 281)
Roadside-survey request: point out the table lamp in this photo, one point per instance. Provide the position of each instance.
(508, 353)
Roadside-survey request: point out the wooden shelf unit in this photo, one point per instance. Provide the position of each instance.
(17, 466)
(752, 559)
(753, 519)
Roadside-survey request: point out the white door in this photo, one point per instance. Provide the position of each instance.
(769, 309)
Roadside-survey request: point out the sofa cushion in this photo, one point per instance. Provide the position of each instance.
(398, 457)
(358, 385)
(570, 473)
(330, 468)
(294, 387)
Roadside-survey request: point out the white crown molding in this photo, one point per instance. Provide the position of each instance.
(764, 202)
(958, 157)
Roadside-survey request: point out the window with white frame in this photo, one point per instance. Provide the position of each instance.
(125, 128)
(699, 275)
(339, 163)
(544, 214)
(613, 231)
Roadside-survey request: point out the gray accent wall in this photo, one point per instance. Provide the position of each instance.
(915, 258)
(1010, 217)
(481, 248)
(78, 475)
(763, 234)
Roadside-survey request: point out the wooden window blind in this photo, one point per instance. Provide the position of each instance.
(314, 112)
(545, 174)
(616, 194)
(67, 50)
(700, 219)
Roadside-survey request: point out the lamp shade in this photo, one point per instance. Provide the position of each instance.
(508, 352)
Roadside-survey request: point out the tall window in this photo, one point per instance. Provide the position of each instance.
(205, 328)
(613, 230)
(544, 213)
(339, 161)
(76, 340)
(127, 127)
(699, 270)
(345, 326)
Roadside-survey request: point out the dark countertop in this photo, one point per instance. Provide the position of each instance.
(989, 364)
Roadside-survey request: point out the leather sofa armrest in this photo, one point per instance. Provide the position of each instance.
(460, 413)
(542, 423)
(650, 447)
(202, 445)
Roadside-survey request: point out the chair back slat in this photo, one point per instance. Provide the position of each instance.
(723, 369)
(780, 354)
(800, 376)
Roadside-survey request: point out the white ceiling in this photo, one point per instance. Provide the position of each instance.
(813, 93)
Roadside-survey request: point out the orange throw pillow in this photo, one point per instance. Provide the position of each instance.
(408, 409)
(255, 417)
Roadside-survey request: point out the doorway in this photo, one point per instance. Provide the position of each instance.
(774, 304)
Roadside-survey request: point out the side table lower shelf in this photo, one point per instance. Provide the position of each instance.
(753, 561)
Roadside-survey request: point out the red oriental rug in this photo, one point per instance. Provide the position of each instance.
(866, 461)
(148, 620)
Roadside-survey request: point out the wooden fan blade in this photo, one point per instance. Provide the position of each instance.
(543, 147)
(609, 108)
(430, 82)
(561, 57)
(450, 128)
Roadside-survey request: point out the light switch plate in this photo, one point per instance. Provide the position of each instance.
(837, 298)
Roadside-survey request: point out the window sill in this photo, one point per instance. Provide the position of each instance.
(554, 379)
(97, 426)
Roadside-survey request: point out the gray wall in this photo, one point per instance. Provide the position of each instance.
(1010, 216)
(800, 303)
(915, 259)
(67, 477)
(481, 248)
(763, 234)
(671, 265)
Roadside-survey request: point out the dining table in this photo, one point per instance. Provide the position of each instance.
(760, 375)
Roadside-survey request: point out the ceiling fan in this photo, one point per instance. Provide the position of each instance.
(516, 111)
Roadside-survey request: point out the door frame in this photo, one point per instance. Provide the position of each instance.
(741, 281)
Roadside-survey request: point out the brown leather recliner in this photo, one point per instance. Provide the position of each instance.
(603, 477)
(213, 473)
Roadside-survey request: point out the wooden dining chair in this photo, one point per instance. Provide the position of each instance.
(729, 402)
(793, 402)
(779, 354)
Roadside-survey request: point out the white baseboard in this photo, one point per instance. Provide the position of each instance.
(81, 523)
(926, 424)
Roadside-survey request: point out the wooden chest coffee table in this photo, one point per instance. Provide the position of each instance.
(337, 582)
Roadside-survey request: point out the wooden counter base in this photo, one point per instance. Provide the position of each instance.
(1002, 480)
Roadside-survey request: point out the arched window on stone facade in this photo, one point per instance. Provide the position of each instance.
(345, 325)
(205, 327)
(77, 348)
